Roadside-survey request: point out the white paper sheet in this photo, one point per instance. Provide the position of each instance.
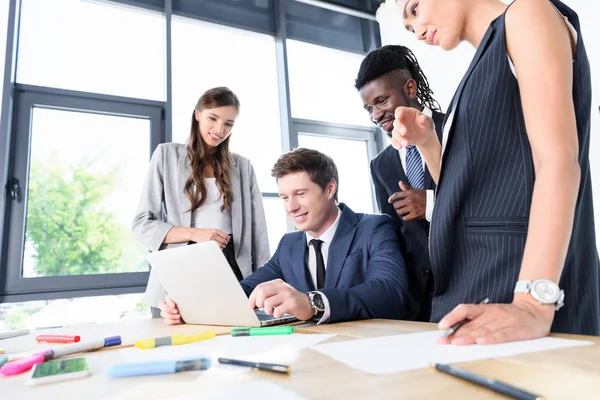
(277, 348)
(390, 354)
(255, 390)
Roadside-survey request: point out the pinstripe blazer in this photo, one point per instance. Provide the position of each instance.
(484, 194)
(163, 205)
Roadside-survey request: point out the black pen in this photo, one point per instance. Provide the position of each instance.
(492, 384)
(259, 365)
(454, 327)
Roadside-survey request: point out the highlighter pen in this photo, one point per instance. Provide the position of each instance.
(455, 327)
(159, 367)
(57, 339)
(286, 369)
(492, 384)
(173, 340)
(24, 364)
(88, 345)
(276, 330)
(3, 360)
(2, 351)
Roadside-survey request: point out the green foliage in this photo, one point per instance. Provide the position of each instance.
(15, 319)
(67, 224)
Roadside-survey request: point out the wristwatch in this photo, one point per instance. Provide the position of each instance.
(316, 302)
(543, 290)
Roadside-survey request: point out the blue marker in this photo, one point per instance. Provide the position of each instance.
(3, 359)
(159, 367)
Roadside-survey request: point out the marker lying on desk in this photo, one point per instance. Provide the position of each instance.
(159, 367)
(173, 340)
(286, 369)
(275, 330)
(57, 339)
(3, 360)
(24, 364)
(88, 345)
(492, 384)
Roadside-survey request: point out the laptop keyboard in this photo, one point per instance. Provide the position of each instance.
(263, 316)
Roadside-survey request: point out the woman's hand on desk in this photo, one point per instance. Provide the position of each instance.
(205, 235)
(523, 319)
(169, 312)
(411, 127)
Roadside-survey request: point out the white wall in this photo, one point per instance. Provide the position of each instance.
(444, 70)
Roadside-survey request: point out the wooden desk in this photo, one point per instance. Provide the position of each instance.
(572, 373)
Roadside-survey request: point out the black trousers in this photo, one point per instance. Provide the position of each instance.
(229, 253)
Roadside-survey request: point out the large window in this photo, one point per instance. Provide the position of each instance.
(205, 56)
(91, 46)
(322, 84)
(78, 174)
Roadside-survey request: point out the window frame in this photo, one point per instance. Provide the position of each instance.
(28, 97)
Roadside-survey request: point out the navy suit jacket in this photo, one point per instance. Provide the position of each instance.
(365, 272)
(386, 172)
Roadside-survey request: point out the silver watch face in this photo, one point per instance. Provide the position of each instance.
(545, 291)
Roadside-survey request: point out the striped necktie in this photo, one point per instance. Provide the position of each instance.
(414, 168)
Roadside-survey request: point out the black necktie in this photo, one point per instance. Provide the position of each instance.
(320, 264)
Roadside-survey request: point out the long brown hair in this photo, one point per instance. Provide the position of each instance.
(199, 155)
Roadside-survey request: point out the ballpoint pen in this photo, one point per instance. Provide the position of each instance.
(276, 330)
(454, 327)
(286, 369)
(173, 340)
(492, 384)
(159, 367)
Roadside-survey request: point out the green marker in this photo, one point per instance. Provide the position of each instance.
(276, 330)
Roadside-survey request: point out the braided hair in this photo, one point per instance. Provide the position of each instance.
(391, 58)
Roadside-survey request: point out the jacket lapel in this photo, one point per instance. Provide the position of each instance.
(236, 206)
(450, 116)
(184, 173)
(393, 169)
(298, 267)
(340, 245)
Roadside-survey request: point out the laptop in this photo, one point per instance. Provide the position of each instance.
(200, 281)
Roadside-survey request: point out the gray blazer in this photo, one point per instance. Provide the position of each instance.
(163, 205)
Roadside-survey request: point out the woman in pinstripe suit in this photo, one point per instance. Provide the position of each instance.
(513, 218)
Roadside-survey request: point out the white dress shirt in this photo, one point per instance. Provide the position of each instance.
(430, 198)
(326, 238)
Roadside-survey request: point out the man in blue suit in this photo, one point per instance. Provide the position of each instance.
(338, 266)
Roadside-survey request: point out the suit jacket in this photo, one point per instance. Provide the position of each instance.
(163, 205)
(386, 172)
(484, 197)
(365, 274)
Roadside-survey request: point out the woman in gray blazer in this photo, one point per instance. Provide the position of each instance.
(200, 192)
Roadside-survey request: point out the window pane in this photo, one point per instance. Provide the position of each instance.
(69, 312)
(85, 176)
(352, 160)
(322, 84)
(276, 220)
(242, 61)
(92, 47)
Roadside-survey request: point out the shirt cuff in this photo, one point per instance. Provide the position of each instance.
(327, 312)
(430, 202)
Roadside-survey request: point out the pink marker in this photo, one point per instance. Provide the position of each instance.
(24, 364)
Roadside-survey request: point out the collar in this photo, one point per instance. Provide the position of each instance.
(327, 236)
(427, 111)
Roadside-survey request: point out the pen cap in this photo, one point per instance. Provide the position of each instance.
(143, 368)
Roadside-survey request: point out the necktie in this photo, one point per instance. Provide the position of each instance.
(414, 168)
(316, 243)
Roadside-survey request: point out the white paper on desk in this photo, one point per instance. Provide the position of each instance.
(255, 390)
(390, 354)
(277, 348)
